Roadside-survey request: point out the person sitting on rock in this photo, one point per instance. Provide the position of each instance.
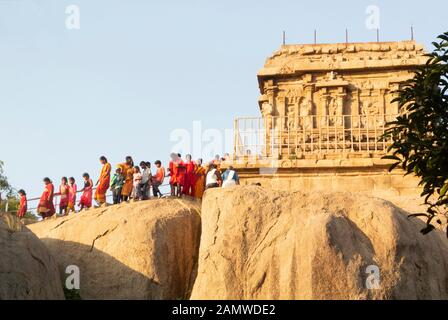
(230, 178)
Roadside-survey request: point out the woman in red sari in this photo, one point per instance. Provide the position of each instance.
(103, 182)
(190, 177)
(46, 206)
(86, 198)
(23, 206)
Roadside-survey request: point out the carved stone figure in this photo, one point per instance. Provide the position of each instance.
(266, 111)
(371, 114)
(292, 118)
(306, 115)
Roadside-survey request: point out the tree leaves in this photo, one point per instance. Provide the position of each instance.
(419, 134)
(4, 185)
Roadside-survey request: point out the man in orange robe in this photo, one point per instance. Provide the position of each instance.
(180, 169)
(173, 173)
(199, 186)
(103, 182)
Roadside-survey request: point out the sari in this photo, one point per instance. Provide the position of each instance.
(200, 182)
(46, 207)
(128, 186)
(72, 190)
(190, 178)
(23, 207)
(103, 185)
(180, 169)
(64, 191)
(86, 197)
(173, 172)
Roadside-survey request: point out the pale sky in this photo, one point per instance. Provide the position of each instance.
(138, 70)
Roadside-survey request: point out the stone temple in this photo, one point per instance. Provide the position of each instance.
(323, 109)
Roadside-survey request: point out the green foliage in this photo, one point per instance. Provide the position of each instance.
(420, 133)
(13, 204)
(4, 185)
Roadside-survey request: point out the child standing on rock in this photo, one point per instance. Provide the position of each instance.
(116, 185)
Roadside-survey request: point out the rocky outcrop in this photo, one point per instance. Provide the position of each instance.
(143, 250)
(263, 244)
(27, 271)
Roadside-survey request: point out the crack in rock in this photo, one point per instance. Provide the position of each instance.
(102, 235)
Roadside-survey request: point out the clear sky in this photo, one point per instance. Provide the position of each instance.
(138, 72)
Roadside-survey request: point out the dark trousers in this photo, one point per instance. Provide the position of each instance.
(142, 191)
(155, 189)
(212, 185)
(116, 195)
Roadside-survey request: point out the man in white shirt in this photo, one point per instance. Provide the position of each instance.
(145, 184)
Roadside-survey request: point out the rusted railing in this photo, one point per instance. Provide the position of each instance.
(277, 137)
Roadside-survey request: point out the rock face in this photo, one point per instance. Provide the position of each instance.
(27, 271)
(263, 244)
(143, 250)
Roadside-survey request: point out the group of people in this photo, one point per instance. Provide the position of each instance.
(192, 178)
(129, 181)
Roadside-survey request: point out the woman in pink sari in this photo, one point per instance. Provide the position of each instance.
(87, 192)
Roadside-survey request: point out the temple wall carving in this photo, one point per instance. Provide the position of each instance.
(322, 94)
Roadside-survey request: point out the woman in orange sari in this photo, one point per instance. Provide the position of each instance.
(103, 182)
(200, 180)
(46, 206)
(128, 172)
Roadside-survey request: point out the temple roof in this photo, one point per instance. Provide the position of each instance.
(306, 58)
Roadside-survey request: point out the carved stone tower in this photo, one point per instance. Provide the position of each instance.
(323, 108)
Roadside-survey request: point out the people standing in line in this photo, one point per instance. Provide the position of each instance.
(145, 183)
(45, 207)
(199, 179)
(137, 179)
(72, 190)
(190, 178)
(23, 204)
(64, 195)
(87, 191)
(213, 178)
(116, 185)
(157, 180)
(103, 181)
(230, 178)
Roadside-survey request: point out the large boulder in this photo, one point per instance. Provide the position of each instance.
(263, 244)
(142, 250)
(27, 270)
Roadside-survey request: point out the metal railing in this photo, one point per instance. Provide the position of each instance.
(277, 137)
(56, 200)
